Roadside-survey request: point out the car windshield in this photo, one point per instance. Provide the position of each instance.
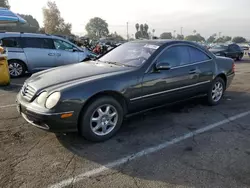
(220, 47)
(130, 54)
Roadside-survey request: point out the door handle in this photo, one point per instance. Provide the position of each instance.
(58, 54)
(193, 71)
(51, 54)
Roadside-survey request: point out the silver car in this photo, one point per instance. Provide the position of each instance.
(35, 52)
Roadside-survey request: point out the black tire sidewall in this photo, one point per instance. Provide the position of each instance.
(84, 126)
(20, 63)
(210, 99)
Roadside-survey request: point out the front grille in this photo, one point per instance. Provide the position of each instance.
(28, 92)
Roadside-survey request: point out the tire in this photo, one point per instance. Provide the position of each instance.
(239, 57)
(16, 68)
(212, 100)
(87, 125)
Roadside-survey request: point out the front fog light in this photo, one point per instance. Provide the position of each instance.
(42, 98)
(52, 100)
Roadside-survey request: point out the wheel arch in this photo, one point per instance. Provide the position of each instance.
(223, 76)
(14, 59)
(110, 93)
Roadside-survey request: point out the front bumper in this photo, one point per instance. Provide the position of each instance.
(46, 120)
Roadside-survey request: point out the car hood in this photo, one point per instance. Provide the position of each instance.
(216, 50)
(71, 73)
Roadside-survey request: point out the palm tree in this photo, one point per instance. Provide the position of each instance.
(153, 31)
(146, 27)
(137, 27)
(141, 28)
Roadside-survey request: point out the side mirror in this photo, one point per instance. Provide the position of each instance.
(75, 50)
(162, 66)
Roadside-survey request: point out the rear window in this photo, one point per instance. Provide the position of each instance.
(197, 55)
(11, 42)
(38, 43)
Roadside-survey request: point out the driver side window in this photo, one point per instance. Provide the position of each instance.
(175, 56)
(61, 45)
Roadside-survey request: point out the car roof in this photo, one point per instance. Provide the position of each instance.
(161, 42)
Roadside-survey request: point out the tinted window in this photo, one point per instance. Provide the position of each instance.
(62, 45)
(12, 42)
(38, 43)
(175, 56)
(197, 55)
(234, 47)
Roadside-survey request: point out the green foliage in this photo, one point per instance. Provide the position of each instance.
(223, 39)
(116, 37)
(195, 38)
(239, 39)
(212, 38)
(97, 28)
(53, 22)
(166, 35)
(4, 3)
(137, 26)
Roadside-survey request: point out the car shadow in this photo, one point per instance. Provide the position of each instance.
(138, 130)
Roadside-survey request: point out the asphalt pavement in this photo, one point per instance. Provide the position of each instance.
(186, 145)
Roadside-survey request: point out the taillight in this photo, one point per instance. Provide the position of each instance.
(233, 67)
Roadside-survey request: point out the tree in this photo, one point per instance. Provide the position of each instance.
(239, 39)
(5, 4)
(146, 27)
(223, 39)
(31, 22)
(97, 28)
(180, 37)
(137, 26)
(166, 35)
(53, 22)
(194, 31)
(196, 38)
(211, 39)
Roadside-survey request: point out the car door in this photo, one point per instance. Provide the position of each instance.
(39, 53)
(160, 86)
(65, 53)
(204, 65)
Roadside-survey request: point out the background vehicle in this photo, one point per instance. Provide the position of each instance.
(228, 50)
(35, 52)
(133, 77)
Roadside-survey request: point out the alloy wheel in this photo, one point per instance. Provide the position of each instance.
(104, 120)
(217, 91)
(15, 69)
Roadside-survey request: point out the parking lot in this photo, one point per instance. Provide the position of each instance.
(186, 145)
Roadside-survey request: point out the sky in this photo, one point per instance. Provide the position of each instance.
(230, 17)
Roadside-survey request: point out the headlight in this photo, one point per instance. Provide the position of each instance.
(52, 100)
(42, 98)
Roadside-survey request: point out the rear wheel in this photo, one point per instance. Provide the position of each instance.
(101, 119)
(240, 56)
(16, 68)
(216, 91)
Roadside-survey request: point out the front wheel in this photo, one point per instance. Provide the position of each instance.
(101, 119)
(16, 68)
(216, 91)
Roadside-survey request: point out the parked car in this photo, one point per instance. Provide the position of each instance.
(36, 52)
(95, 96)
(228, 50)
